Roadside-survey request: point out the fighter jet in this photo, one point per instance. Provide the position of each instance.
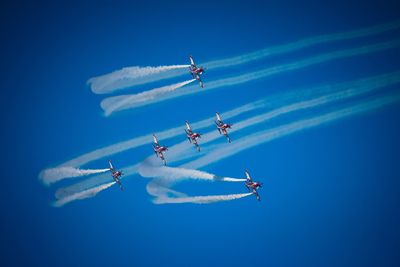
(222, 127)
(196, 71)
(158, 149)
(116, 175)
(192, 136)
(252, 185)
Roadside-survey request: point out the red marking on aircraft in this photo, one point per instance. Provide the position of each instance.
(192, 136)
(116, 175)
(252, 185)
(196, 71)
(159, 150)
(222, 127)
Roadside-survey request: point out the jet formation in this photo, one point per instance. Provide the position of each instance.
(193, 137)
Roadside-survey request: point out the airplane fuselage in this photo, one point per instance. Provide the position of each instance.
(160, 149)
(116, 174)
(254, 185)
(116, 179)
(195, 70)
(225, 126)
(194, 136)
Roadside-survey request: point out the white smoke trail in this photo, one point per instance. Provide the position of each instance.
(160, 188)
(178, 152)
(160, 191)
(121, 102)
(92, 182)
(148, 170)
(130, 76)
(304, 43)
(356, 88)
(164, 195)
(52, 175)
(271, 134)
(270, 71)
(269, 102)
(169, 133)
(224, 151)
(82, 195)
(199, 199)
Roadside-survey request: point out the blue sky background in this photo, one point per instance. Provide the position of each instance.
(330, 196)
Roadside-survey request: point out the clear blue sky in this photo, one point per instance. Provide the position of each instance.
(330, 196)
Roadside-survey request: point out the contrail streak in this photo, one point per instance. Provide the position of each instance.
(304, 43)
(162, 135)
(129, 76)
(268, 102)
(132, 76)
(356, 88)
(161, 191)
(121, 102)
(177, 152)
(82, 195)
(160, 188)
(92, 182)
(199, 199)
(53, 175)
(224, 151)
(261, 137)
(147, 170)
(270, 71)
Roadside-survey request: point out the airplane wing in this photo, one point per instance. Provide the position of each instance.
(256, 194)
(248, 176)
(218, 117)
(188, 135)
(192, 61)
(162, 157)
(118, 181)
(188, 126)
(196, 144)
(200, 81)
(218, 127)
(111, 166)
(155, 140)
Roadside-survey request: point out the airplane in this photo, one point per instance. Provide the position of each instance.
(116, 175)
(159, 150)
(252, 185)
(221, 126)
(196, 71)
(192, 136)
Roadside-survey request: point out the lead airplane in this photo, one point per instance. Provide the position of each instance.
(222, 127)
(192, 136)
(252, 185)
(116, 175)
(159, 150)
(196, 71)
